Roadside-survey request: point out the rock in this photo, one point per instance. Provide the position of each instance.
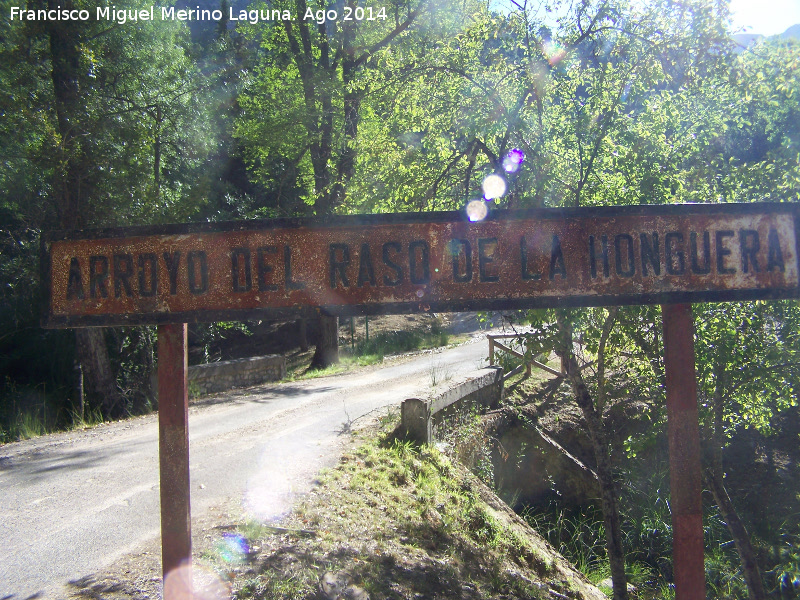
(336, 586)
(355, 593)
(332, 585)
(608, 584)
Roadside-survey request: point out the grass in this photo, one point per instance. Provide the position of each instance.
(396, 521)
(36, 422)
(396, 342)
(439, 374)
(373, 351)
(577, 535)
(28, 425)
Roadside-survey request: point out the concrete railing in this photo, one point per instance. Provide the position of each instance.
(421, 419)
(243, 372)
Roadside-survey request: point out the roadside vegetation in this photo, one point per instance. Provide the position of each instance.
(389, 337)
(749, 430)
(394, 520)
(25, 419)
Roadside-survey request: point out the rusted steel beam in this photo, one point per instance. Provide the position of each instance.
(684, 453)
(173, 448)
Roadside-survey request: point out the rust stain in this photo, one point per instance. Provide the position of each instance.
(419, 264)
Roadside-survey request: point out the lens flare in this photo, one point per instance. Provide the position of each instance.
(233, 548)
(494, 186)
(513, 160)
(477, 210)
(193, 582)
(554, 52)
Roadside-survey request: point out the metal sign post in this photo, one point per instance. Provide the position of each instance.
(685, 477)
(671, 255)
(173, 451)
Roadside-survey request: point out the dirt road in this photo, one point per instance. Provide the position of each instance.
(72, 503)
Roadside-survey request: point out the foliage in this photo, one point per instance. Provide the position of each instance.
(129, 147)
(395, 342)
(730, 337)
(397, 520)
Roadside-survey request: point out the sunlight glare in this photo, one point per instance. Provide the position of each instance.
(477, 210)
(513, 160)
(494, 186)
(233, 548)
(193, 582)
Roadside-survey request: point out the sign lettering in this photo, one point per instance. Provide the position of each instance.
(433, 261)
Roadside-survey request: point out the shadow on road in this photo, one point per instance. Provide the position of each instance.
(41, 463)
(262, 394)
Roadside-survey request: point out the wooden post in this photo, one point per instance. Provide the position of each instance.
(491, 349)
(528, 361)
(81, 399)
(173, 450)
(684, 453)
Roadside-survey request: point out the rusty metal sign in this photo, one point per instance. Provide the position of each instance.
(419, 262)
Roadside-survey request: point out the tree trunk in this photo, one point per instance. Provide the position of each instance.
(65, 40)
(327, 351)
(713, 476)
(608, 492)
(99, 382)
(302, 331)
(157, 153)
(605, 475)
(747, 554)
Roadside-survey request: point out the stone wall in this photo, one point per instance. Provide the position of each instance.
(221, 376)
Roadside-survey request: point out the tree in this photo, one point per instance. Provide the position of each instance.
(592, 408)
(735, 398)
(309, 127)
(573, 98)
(101, 112)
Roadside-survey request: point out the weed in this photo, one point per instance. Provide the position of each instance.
(578, 536)
(194, 389)
(29, 425)
(786, 573)
(396, 342)
(397, 520)
(439, 374)
(89, 418)
(473, 448)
